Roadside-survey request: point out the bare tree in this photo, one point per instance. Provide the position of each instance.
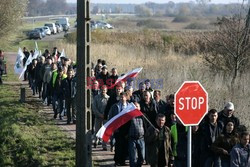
(11, 12)
(228, 47)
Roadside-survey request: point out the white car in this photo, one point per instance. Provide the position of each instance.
(47, 30)
(52, 27)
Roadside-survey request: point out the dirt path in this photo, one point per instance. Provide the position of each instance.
(101, 158)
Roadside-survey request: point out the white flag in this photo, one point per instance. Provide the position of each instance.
(19, 62)
(62, 55)
(26, 64)
(36, 46)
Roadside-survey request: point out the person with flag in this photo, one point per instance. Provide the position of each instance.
(121, 134)
(158, 143)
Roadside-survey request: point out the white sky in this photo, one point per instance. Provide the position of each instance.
(156, 1)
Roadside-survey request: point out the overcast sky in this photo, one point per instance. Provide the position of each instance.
(156, 1)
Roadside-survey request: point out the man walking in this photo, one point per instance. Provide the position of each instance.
(99, 105)
(158, 143)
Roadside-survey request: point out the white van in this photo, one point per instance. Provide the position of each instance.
(63, 21)
(52, 27)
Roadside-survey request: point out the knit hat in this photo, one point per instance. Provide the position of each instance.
(229, 106)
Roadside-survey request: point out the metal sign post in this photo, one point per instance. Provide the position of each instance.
(83, 104)
(189, 145)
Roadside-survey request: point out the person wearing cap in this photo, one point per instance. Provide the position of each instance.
(228, 113)
(240, 154)
(102, 78)
(98, 69)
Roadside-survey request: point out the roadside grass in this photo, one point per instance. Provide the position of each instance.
(27, 138)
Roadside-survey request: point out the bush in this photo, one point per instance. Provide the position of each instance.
(181, 19)
(71, 37)
(150, 23)
(197, 26)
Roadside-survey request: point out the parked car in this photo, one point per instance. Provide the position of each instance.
(52, 27)
(103, 25)
(35, 34)
(59, 27)
(41, 29)
(47, 30)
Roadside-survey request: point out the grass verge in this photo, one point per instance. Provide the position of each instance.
(27, 138)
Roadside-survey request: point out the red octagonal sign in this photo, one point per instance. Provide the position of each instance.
(191, 103)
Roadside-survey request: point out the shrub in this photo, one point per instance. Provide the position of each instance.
(197, 26)
(71, 37)
(181, 19)
(150, 23)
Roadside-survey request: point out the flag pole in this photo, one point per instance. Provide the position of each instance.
(148, 121)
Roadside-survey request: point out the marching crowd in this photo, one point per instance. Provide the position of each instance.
(158, 139)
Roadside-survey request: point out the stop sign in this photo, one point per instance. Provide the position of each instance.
(191, 103)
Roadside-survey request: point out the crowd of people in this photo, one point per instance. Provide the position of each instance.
(158, 138)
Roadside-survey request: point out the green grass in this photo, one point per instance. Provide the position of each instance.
(29, 139)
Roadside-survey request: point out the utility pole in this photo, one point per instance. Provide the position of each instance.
(83, 104)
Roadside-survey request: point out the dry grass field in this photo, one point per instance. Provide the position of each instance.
(168, 70)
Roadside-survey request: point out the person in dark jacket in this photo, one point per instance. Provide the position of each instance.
(148, 107)
(26, 56)
(95, 90)
(139, 93)
(103, 77)
(196, 146)
(111, 80)
(240, 154)
(225, 142)
(158, 143)
(211, 129)
(39, 76)
(169, 109)
(228, 114)
(113, 100)
(31, 71)
(161, 105)
(58, 100)
(69, 92)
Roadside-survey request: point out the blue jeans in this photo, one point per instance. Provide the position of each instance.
(138, 145)
(212, 160)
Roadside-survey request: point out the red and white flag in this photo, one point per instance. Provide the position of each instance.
(131, 74)
(117, 121)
